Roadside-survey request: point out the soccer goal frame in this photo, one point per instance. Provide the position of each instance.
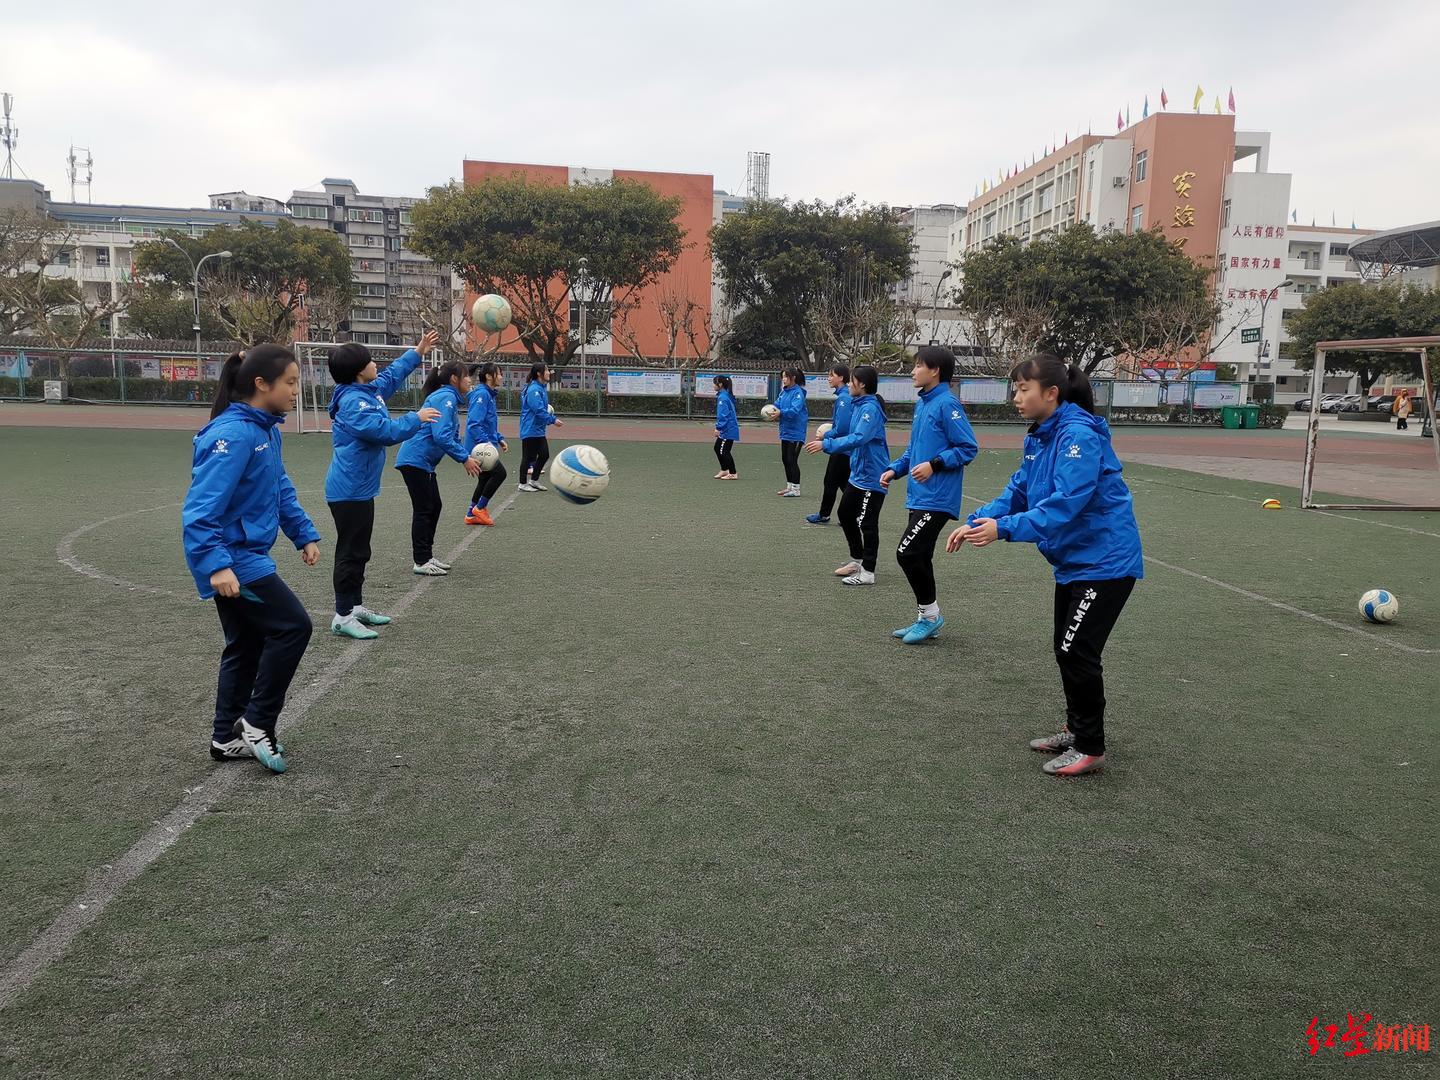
(1420, 345)
(312, 413)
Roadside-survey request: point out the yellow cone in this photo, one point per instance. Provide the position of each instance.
(1270, 504)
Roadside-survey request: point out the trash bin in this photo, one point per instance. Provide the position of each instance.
(1250, 415)
(1230, 416)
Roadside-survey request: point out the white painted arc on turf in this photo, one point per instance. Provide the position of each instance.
(1280, 604)
(102, 889)
(1326, 513)
(1293, 610)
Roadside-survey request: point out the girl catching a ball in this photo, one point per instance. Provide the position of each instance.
(419, 455)
(794, 419)
(727, 428)
(837, 471)
(482, 425)
(1068, 498)
(239, 499)
(361, 429)
(864, 448)
(941, 445)
(536, 416)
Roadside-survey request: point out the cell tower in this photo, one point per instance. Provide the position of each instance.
(757, 175)
(74, 164)
(9, 135)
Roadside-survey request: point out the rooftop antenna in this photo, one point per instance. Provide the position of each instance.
(9, 135)
(757, 175)
(74, 165)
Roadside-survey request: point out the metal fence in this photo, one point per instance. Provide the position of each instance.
(171, 377)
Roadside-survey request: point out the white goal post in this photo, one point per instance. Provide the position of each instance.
(1420, 345)
(312, 415)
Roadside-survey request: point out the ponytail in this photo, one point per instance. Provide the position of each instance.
(1049, 370)
(240, 371)
(869, 377)
(535, 369)
(441, 376)
(724, 382)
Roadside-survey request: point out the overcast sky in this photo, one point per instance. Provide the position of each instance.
(900, 102)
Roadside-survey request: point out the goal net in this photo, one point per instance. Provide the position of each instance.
(316, 385)
(1425, 411)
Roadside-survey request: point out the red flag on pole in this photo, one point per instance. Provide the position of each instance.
(1119, 121)
(1232, 99)
(1164, 98)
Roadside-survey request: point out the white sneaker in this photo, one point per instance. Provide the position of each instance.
(536, 485)
(373, 618)
(430, 569)
(351, 627)
(861, 577)
(442, 565)
(523, 487)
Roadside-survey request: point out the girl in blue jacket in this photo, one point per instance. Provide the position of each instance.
(864, 447)
(1069, 500)
(419, 455)
(239, 498)
(941, 445)
(361, 429)
(794, 419)
(727, 427)
(837, 470)
(536, 416)
(482, 425)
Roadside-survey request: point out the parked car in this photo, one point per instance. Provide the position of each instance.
(1303, 405)
(1338, 403)
(1381, 403)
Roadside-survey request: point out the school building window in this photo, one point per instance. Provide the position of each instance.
(1137, 219)
(1142, 162)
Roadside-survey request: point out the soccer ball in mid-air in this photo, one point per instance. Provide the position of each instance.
(769, 412)
(485, 455)
(1379, 606)
(490, 313)
(581, 474)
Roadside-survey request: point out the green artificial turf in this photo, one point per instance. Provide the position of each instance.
(640, 790)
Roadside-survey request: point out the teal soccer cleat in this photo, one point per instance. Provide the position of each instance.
(923, 630)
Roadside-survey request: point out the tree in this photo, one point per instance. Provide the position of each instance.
(795, 264)
(256, 294)
(530, 241)
(37, 294)
(159, 310)
(688, 327)
(1175, 335)
(1083, 290)
(1355, 311)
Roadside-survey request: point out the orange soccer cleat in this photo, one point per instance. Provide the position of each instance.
(484, 518)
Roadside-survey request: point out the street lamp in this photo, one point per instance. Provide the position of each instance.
(195, 284)
(935, 308)
(1264, 302)
(584, 332)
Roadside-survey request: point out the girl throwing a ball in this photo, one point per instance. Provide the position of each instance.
(1069, 499)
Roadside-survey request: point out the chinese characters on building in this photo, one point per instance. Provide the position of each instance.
(1260, 232)
(1184, 216)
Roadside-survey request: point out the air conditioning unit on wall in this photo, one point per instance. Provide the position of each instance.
(1118, 181)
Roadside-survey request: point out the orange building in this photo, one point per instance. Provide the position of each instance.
(1169, 169)
(647, 328)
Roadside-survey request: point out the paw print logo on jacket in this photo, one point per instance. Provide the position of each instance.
(1074, 451)
(222, 446)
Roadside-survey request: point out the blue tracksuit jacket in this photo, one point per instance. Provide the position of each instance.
(1068, 499)
(361, 429)
(941, 435)
(727, 423)
(482, 420)
(535, 416)
(239, 499)
(865, 443)
(433, 441)
(794, 415)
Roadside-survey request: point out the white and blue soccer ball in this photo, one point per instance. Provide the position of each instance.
(486, 456)
(1379, 606)
(580, 474)
(491, 313)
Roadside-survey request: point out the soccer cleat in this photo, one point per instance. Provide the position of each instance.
(472, 517)
(484, 518)
(721, 475)
(793, 493)
(848, 569)
(232, 750)
(430, 569)
(860, 577)
(442, 565)
(905, 629)
(350, 626)
(263, 746)
(1073, 763)
(368, 617)
(536, 485)
(1054, 744)
(731, 476)
(525, 486)
(923, 630)
(817, 519)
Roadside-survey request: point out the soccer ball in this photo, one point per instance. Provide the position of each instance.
(823, 430)
(486, 456)
(550, 409)
(1379, 606)
(490, 313)
(580, 474)
(769, 412)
